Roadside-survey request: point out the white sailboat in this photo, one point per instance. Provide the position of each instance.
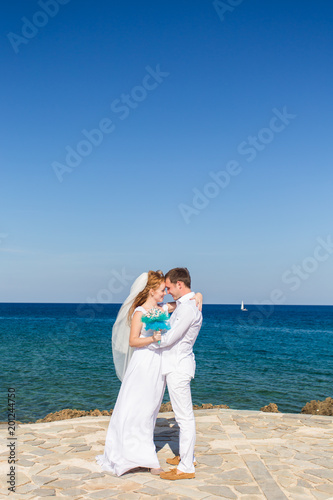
(242, 307)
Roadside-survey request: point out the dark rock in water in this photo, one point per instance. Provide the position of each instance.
(166, 407)
(209, 406)
(272, 408)
(319, 407)
(68, 413)
(206, 406)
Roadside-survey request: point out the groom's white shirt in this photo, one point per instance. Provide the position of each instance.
(177, 343)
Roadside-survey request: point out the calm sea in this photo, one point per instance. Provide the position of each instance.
(59, 356)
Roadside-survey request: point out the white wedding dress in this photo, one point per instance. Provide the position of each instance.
(130, 436)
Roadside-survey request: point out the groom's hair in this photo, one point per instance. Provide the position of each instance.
(179, 274)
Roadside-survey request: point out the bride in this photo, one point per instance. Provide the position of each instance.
(130, 437)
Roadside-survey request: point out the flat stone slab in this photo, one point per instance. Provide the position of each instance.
(246, 455)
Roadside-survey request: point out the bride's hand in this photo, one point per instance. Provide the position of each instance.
(157, 336)
(198, 300)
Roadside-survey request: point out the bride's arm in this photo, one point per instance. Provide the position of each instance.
(135, 340)
(198, 300)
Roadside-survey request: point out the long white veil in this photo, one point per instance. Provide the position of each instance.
(121, 350)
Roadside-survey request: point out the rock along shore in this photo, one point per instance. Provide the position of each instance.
(313, 408)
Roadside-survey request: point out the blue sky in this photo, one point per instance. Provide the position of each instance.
(179, 91)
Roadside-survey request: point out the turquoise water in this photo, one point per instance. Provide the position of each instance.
(59, 356)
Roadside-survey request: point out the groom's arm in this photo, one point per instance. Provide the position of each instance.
(178, 329)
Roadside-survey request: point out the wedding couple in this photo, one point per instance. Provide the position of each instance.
(147, 360)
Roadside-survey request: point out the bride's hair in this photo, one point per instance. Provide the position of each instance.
(155, 278)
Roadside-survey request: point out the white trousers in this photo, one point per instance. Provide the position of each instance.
(181, 400)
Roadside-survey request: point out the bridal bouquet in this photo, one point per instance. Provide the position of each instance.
(155, 320)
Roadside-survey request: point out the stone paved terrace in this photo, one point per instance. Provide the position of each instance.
(241, 454)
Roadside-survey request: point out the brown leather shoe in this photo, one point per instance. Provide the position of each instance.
(175, 461)
(172, 475)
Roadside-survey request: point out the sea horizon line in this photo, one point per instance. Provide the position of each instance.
(236, 304)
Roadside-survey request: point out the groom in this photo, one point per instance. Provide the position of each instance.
(178, 366)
